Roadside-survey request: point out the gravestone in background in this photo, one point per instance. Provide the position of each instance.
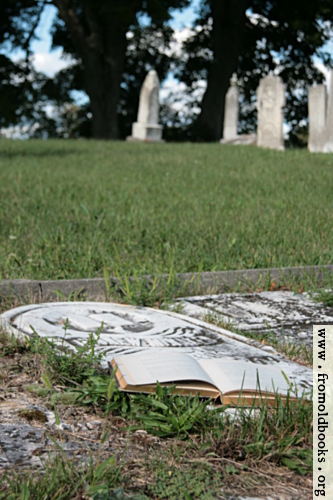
(231, 112)
(147, 127)
(328, 147)
(231, 108)
(270, 103)
(317, 118)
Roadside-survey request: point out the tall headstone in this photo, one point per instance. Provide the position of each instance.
(317, 102)
(231, 112)
(231, 108)
(328, 147)
(270, 103)
(147, 127)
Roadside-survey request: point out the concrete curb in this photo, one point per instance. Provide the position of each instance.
(188, 283)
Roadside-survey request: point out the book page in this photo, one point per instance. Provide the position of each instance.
(150, 367)
(228, 375)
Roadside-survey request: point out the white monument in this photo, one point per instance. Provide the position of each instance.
(328, 147)
(320, 119)
(231, 111)
(147, 127)
(317, 103)
(270, 103)
(230, 122)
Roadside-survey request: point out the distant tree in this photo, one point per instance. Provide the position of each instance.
(253, 38)
(96, 34)
(22, 100)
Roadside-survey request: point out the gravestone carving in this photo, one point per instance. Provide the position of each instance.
(317, 102)
(121, 329)
(147, 127)
(270, 103)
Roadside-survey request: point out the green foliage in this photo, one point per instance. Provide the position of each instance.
(11, 345)
(148, 292)
(165, 414)
(282, 434)
(324, 296)
(147, 209)
(175, 483)
(95, 391)
(63, 478)
(64, 364)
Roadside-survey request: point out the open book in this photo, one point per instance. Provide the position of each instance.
(225, 380)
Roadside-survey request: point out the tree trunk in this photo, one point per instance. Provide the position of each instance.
(101, 46)
(228, 31)
(102, 76)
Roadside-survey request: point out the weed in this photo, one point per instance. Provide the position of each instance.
(165, 414)
(200, 481)
(65, 364)
(219, 320)
(147, 292)
(62, 478)
(324, 296)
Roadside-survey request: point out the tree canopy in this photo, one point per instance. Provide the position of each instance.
(113, 51)
(253, 38)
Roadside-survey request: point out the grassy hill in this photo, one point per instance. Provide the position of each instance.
(69, 208)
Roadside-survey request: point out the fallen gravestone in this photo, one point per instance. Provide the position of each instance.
(147, 127)
(127, 330)
(289, 316)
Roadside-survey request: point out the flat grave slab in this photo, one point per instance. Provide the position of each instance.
(289, 316)
(127, 330)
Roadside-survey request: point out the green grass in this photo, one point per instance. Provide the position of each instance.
(70, 208)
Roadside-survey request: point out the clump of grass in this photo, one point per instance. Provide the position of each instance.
(158, 291)
(65, 364)
(282, 434)
(197, 481)
(63, 478)
(324, 296)
(11, 345)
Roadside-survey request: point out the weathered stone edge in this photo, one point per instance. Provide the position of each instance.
(188, 283)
